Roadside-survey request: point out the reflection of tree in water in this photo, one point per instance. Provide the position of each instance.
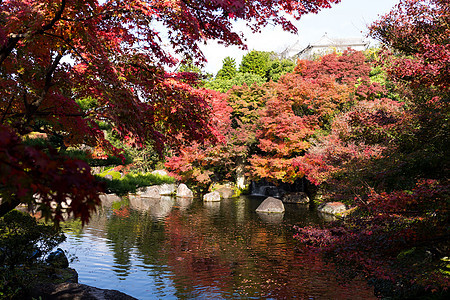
(223, 251)
(138, 232)
(221, 256)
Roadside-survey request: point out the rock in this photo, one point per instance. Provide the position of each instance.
(212, 197)
(299, 197)
(271, 205)
(58, 259)
(109, 199)
(332, 208)
(151, 192)
(184, 192)
(167, 189)
(108, 176)
(77, 291)
(226, 192)
(160, 172)
(133, 197)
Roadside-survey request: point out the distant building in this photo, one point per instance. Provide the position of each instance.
(324, 46)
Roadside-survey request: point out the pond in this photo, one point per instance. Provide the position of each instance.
(188, 249)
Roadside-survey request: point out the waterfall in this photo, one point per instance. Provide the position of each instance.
(264, 188)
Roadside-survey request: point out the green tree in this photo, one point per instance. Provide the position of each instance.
(224, 85)
(276, 68)
(255, 62)
(228, 70)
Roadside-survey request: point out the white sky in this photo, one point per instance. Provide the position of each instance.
(349, 18)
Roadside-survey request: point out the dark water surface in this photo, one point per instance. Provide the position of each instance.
(181, 249)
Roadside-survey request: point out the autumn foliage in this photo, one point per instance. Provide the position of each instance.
(273, 124)
(56, 54)
(388, 158)
(369, 129)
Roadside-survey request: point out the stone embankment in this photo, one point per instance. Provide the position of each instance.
(48, 284)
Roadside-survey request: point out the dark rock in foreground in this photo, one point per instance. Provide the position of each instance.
(77, 291)
(58, 259)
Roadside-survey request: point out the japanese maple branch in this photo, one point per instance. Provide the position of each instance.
(33, 106)
(7, 109)
(67, 41)
(14, 38)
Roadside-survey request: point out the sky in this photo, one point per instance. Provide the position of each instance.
(349, 18)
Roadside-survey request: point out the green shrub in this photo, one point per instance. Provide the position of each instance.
(132, 181)
(24, 243)
(115, 175)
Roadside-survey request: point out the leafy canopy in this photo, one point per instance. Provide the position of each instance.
(54, 53)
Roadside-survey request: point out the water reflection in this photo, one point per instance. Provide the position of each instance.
(183, 203)
(271, 218)
(211, 250)
(158, 208)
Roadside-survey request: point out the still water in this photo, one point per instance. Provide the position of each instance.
(184, 249)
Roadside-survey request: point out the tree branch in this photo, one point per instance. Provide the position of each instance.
(14, 38)
(6, 110)
(55, 19)
(33, 106)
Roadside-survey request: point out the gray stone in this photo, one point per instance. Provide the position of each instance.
(226, 192)
(160, 172)
(212, 197)
(271, 205)
(109, 199)
(332, 208)
(184, 192)
(167, 189)
(133, 197)
(151, 192)
(299, 197)
(58, 259)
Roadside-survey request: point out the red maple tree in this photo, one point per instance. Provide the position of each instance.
(55, 53)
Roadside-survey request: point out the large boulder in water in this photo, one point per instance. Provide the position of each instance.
(332, 208)
(184, 192)
(271, 205)
(151, 192)
(212, 197)
(167, 189)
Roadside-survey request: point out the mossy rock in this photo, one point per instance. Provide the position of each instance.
(228, 185)
(114, 174)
